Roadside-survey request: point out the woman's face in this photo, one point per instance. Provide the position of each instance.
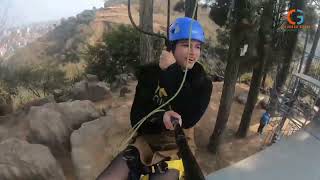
(181, 53)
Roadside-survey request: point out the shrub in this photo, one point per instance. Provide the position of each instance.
(117, 54)
(246, 78)
(179, 7)
(41, 79)
(268, 82)
(315, 71)
(4, 94)
(74, 72)
(24, 96)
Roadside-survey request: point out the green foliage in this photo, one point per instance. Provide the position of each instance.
(246, 78)
(69, 38)
(123, 45)
(8, 80)
(158, 46)
(119, 53)
(179, 7)
(269, 82)
(315, 71)
(41, 79)
(25, 83)
(74, 72)
(100, 62)
(24, 96)
(250, 25)
(4, 94)
(219, 11)
(223, 38)
(210, 60)
(86, 16)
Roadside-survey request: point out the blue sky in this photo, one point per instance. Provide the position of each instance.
(27, 11)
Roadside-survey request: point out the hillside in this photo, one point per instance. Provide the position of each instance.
(67, 41)
(61, 44)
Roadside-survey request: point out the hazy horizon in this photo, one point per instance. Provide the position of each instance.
(21, 12)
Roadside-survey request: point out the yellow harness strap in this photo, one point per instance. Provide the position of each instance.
(174, 164)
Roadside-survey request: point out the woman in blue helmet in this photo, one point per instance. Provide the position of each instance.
(157, 83)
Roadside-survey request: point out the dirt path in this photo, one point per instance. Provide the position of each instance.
(232, 149)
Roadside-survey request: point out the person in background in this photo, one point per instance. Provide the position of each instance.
(265, 119)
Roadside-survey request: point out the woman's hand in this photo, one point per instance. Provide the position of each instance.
(167, 119)
(166, 59)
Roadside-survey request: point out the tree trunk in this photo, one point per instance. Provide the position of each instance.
(251, 101)
(278, 19)
(304, 51)
(283, 73)
(230, 79)
(190, 4)
(283, 68)
(264, 31)
(146, 23)
(225, 104)
(313, 50)
(292, 37)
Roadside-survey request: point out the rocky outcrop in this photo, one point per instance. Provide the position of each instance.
(93, 91)
(21, 160)
(52, 124)
(6, 104)
(96, 143)
(242, 98)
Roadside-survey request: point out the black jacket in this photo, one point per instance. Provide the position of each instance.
(190, 103)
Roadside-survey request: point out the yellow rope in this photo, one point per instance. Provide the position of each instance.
(135, 128)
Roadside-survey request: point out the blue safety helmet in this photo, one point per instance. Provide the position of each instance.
(180, 30)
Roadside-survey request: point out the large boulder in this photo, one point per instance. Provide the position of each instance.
(92, 78)
(121, 80)
(14, 125)
(38, 102)
(78, 112)
(93, 91)
(47, 126)
(242, 98)
(5, 109)
(21, 160)
(262, 100)
(96, 143)
(6, 103)
(52, 124)
(124, 90)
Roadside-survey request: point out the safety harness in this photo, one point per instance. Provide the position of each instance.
(136, 168)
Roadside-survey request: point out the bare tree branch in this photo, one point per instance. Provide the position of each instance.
(35, 92)
(316, 3)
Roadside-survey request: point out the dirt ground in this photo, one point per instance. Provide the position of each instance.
(232, 149)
